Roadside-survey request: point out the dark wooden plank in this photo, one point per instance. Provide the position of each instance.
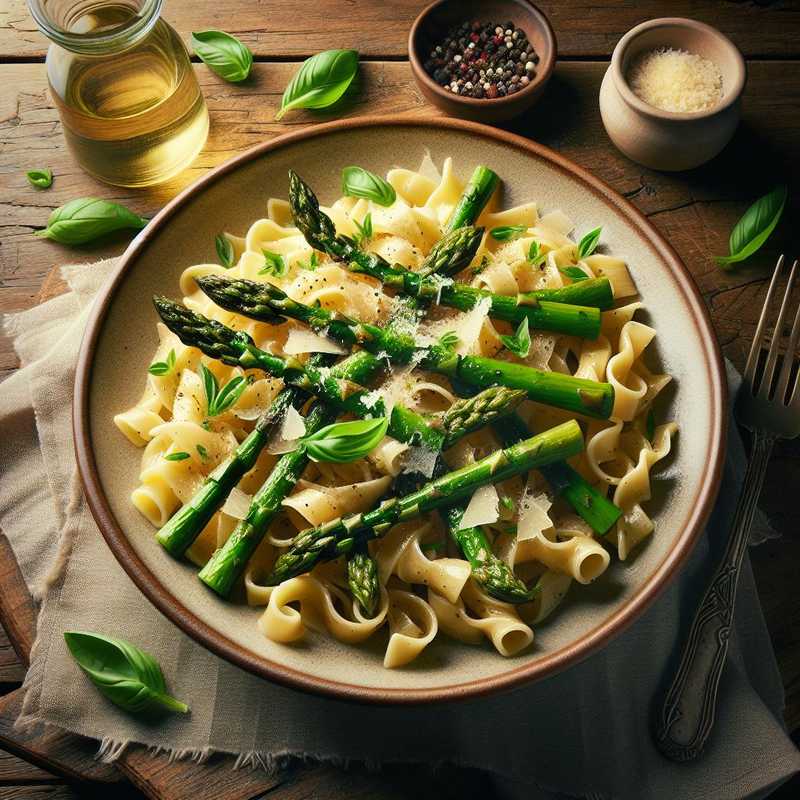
(17, 613)
(378, 28)
(12, 670)
(45, 792)
(14, 770)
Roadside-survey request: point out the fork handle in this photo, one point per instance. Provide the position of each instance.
(687, 715)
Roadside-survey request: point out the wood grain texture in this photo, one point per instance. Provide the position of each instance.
(379, 28)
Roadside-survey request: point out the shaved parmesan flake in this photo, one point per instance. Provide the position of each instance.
(304, 341)
(483, 508)
(294, 426)
(238, 504)
(421, 460)
(428, 169)
(534, 517)
(469, 326)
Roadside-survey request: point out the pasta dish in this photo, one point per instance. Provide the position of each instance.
(410, 411)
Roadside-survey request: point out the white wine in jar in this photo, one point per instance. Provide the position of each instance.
(127, 95)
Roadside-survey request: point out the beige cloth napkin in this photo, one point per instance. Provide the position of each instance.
(582, 733)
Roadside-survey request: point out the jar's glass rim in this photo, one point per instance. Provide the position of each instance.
(102, 42)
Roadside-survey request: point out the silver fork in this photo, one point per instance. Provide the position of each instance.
(687, 715)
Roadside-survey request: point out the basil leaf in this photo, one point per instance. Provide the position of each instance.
(364, 229)
(228, 395)
(181, 455)
(163, 367)
(88, 218)
(754, 228)
(504, 233)
(507, 502)
(343, 442)
(520, 342)
(574, 273)
(129, 677)
(650, 425)
(312, 262)
(224, 54)
(535, 255)
(224, 248)
(274, 264)
(210, 387)
(360, 182)
(320, 81)
(449, 340)
(202, 452)
(589, 243)
(40, 178)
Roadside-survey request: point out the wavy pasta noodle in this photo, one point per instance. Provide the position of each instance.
(425, 582)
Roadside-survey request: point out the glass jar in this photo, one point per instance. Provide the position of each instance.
(127, 95)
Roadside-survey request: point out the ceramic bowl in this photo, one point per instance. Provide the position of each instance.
(669, 140)
(434, 22)
(121, 338)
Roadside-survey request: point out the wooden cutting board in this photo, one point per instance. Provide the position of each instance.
(73, 756)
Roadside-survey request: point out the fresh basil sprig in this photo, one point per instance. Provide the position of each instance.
(754, 228)
(224, 54)
(180, 455)
(224, 248)
(274, 264)
(40, 178)
(520, 342)
(218, 401)
(343, 442)
(163, 367)
(449, 340)
(360, 182)
(535, 254)
(574, 273)
(364, 230)
(589, 243)
(320, 81)
(125, 674)
(86, 219)
(505, 233)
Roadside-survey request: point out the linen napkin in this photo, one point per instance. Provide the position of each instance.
(584, 733)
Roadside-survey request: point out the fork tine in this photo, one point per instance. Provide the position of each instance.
(788, 356)
(752, 358)
(777, 335)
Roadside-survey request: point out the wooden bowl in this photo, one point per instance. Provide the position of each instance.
(121, 337)
(434, 22)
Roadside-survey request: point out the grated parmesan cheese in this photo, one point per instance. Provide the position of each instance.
(483, 508)
(676, 80)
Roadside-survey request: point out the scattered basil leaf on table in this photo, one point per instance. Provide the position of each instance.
(449, 340)
(128, 676)
(40, 178)
(181, 455)
(360, 182)
(343, 442)
(754, 228)
(320, 81)
(86, 219)
(574, 273)
(520, 342)
(163, 367)
(505, 233)
(274, 264)
(202, 452)
(218, 401)
(224, 54)
(224, 248)
(364, 229)
(589, 243)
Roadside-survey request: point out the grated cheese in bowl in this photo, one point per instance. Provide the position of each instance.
(676, 80)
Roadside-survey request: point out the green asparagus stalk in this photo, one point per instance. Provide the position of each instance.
(593, 506)
(320, 232)
(339, 536)
(227, 564)
(453, 252)
(474, 198)
(362, 579)
(578, 395)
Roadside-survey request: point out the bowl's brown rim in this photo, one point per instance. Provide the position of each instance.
(554, 662)
(543, 72)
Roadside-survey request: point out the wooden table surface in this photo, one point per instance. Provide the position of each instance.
(694, 210)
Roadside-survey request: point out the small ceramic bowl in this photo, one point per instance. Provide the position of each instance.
(668, 140)
(437, 19)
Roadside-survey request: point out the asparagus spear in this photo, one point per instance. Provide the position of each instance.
(578, 395)
(593, 506)
(339, 536)
(475, 196)
(226, 565)
(362, 579)
(320, 232)
(453, 252)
